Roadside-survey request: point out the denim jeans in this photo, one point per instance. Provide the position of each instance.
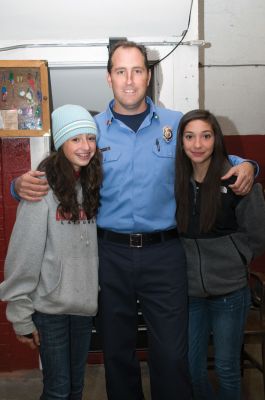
(225, 317)
(64, 347)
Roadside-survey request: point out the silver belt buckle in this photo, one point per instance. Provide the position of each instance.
(136, 240)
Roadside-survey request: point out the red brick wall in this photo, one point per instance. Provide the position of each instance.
(14, 160)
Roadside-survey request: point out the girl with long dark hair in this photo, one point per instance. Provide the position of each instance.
(51, 268)
(221, 233)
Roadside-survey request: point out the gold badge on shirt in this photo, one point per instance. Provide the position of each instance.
(167, 134)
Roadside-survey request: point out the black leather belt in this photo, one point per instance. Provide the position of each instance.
(137, 239)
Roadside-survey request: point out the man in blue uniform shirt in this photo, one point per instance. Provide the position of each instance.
(139, 250)
(140, 254)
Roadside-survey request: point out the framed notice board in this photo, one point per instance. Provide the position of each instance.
(24, 98)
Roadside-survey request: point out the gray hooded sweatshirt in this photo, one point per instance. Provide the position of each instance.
(217, 262)
(51, 264)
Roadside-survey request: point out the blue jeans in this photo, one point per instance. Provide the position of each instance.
(64, 347)
(225, 317)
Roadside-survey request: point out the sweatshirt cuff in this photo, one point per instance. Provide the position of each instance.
(13, 191)
(22, 328)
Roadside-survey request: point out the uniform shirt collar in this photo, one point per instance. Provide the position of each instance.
(110, 116)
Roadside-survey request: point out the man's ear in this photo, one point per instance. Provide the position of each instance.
(109, 79)
(149, 75)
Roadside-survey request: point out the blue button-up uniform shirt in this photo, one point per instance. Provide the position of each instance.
(137, 193)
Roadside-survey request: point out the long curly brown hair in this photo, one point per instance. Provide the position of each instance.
(62, 180)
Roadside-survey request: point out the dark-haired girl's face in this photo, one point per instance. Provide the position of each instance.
(79, 150)
(198, 142)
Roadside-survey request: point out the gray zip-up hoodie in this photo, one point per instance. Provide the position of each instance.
(217, 263)
(51, 264)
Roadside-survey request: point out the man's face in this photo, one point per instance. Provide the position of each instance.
(129, 80)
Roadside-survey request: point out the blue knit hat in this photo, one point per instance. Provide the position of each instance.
(71, 120)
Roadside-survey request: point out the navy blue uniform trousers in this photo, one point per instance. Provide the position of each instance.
(156, 275)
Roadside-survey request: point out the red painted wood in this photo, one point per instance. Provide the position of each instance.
(249, 146)
(252, 147)
(14, 160)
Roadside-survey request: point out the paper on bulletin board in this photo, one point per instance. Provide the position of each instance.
(9, 119)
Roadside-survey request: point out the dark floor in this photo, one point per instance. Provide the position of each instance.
(26, 385)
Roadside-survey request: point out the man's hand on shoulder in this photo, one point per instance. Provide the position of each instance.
(245, 178)
(31, 187)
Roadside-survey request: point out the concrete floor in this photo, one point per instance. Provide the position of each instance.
(26, 385)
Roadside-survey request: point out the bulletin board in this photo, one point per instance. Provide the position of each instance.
(24, 98)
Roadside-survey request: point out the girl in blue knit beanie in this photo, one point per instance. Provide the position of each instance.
(51, 268)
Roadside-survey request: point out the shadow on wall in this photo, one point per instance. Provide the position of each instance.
(156, 82)
(227, 125)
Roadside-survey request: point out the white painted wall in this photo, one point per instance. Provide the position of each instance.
(68, 20)
(236, 32)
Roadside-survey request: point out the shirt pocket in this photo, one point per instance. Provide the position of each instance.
(112, 167)
(110, 156)
(164, 165)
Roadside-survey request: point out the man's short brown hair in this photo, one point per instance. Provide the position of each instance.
(125, 44)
